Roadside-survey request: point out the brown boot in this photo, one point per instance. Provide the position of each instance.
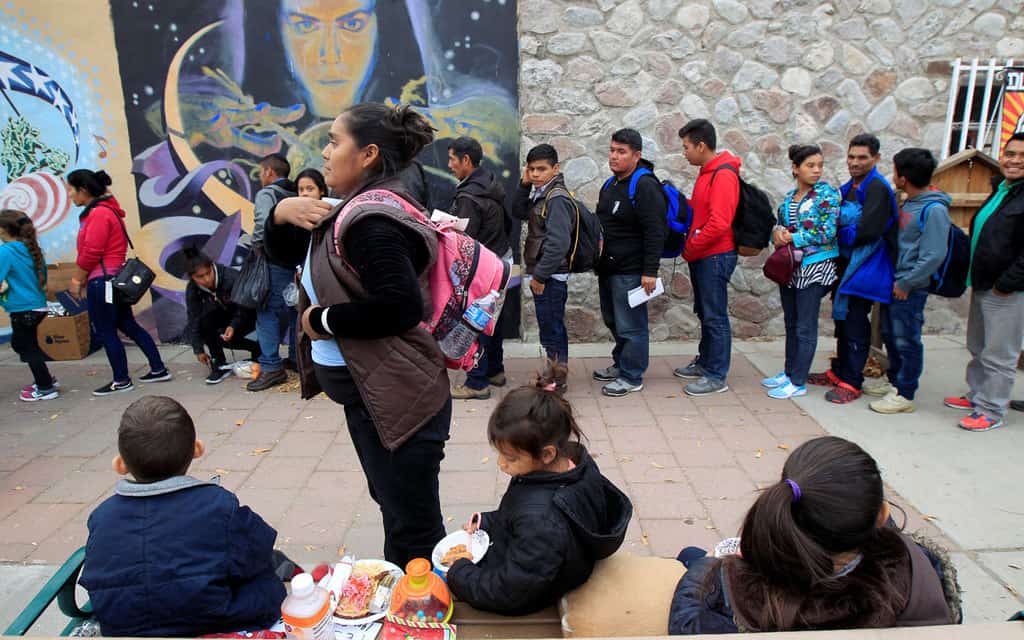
(267, 379)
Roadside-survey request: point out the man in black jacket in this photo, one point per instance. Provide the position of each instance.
(634, 233)
(214, 321)
(995, 325)
(480, 197)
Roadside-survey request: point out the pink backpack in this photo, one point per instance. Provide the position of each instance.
(464, 271)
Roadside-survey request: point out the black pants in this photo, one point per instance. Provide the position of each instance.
(25, 342)
(213, 324)
(403, 482)
(853, 342)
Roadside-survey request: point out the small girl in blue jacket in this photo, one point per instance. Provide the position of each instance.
(23, 297)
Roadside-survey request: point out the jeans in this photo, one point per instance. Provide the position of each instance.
(800, 307)
(25, 342)
(710, 279)
(489, 363)
(550, 308)
(853, 342)
(403, 482)
(213, 324)
(631, 353)
(902, 321)
(276, 320)
(106, 318)
(995, 329)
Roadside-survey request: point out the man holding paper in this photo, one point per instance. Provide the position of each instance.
(634, 233)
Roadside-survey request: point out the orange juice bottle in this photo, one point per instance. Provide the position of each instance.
(421, 596)
(307, 611)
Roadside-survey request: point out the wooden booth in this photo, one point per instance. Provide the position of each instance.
(967, 178)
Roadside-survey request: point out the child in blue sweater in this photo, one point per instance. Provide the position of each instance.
(23, 297)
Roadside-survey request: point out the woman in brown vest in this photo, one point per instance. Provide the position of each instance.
(363, 295)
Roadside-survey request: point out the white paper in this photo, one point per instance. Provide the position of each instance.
(441, 217)
(638, 296)
(108, 292)
(332, 201)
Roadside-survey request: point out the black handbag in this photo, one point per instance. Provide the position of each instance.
(252, 286)
(134, 279)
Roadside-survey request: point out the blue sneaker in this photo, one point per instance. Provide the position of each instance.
(787, 391)
(777, 380)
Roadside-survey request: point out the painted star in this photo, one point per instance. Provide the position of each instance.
(39, 80)
(59, 102)
(7, 74)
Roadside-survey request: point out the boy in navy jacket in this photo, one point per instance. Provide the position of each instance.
(169, 555)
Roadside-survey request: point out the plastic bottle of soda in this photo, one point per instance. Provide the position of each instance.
(457, 342)
(307, 611)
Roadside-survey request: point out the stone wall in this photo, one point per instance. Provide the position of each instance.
(768, 73)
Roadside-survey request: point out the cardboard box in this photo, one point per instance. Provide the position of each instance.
(66, 337)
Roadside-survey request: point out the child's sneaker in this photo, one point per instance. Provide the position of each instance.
(778, 380)
(958, 402)
(892, 403)
(33, 387)
(842, 394)
(787, 391)
(978, 421)
(157, 376)
(34, 395)
(878, 387)
(113, 387)
(824, 379)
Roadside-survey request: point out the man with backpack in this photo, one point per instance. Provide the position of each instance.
(632, 215)
(549, 210)
(276, 319)
(995, 324)
(923, 243)
(479, 198)
(711, 253)
(873, 234)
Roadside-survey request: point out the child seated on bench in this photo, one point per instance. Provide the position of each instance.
(558, 517)
(818, 550)
(169, 555)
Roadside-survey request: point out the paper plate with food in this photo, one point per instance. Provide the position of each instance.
(367, 593)
(459, 544)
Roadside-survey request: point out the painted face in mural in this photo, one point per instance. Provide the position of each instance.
(332, 47)
(346, 164)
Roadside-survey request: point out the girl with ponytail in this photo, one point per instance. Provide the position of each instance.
(818, 550)
(23, 296)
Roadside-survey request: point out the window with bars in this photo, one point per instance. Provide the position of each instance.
(974, 110)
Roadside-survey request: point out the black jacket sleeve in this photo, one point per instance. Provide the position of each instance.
(385, 258)
(285, 243)
(561, 220)
(518, 582)
(875, 215)
(194, 310)
(651, 208)
(696, 610)
(519, 202)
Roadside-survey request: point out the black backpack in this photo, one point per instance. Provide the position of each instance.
(755, 217)
(950, 280)
(678, 215)
(587, 238)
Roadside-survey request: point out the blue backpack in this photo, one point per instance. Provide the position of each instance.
(950, 281)
(678, 216)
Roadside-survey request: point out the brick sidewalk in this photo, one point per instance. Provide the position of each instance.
(691, 465)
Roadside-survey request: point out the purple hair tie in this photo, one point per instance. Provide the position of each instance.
(796, 489)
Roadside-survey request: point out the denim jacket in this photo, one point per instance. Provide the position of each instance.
(814, 230)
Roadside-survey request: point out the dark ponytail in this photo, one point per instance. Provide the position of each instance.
(400, 133)
(19, 226)
(94, 183)
(536, 416)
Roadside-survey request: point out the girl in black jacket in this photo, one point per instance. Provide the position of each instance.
(818, 551)
(558, 517)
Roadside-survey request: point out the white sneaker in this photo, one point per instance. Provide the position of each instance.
(879, 387)
(893, 403)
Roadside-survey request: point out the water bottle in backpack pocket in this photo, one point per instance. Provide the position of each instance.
(460, 338)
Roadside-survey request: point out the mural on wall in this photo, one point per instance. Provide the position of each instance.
(49, 125)
(212, 86)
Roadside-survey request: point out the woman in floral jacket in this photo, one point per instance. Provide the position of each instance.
(807, 220)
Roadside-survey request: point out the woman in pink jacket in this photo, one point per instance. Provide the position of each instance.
(102, 247)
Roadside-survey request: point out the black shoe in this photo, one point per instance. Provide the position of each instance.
(113, 387)
(267, 379)
(218, 375)
(289, 364)
(1017, 405)
(156, 376)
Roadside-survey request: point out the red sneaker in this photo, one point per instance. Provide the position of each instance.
(842, 394)
(824, 379)
(979, 422)
(958, 402)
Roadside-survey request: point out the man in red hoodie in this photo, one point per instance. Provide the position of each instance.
(710, 251)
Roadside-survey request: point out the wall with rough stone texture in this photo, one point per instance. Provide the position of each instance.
(768, 73)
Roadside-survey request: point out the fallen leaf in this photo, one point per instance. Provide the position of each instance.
(626, 459)
(644, 539)
(1008, 588)
(449, 519)
(687, 520)
(221, 472)
(259, 452)
(239, 423)
(759, 453)
(709, 527)
(485, 460)
(54, 417)
(656, 465)
(929, 518)
(19, 488)
(784, 447)
(470, 410)
(341, 550)
(310, 547)
(1014, 566)
(672, 395)
(307, 417)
